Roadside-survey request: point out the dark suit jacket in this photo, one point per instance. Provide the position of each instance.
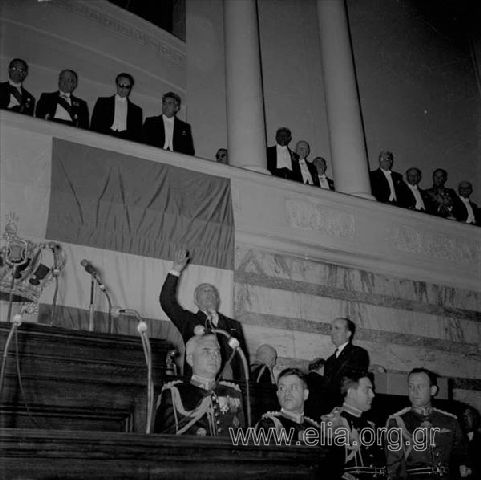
(406, 198)
(294, 174)
(186, 321)
(154, 134)
(79, 111)
(27, 103)
(103, 118)
(461, 213)
(352, 359)
(440, 201)
(380, 185)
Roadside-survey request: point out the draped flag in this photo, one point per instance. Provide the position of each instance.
(127, 216)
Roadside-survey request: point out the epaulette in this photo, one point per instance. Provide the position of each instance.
(401, 412)
(169, 385)
(445, 413)
(225, 383)
(272, 413)
(309, 419)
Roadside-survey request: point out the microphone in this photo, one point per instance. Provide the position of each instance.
(90, 269)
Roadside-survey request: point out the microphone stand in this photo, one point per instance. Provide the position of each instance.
(91, 305)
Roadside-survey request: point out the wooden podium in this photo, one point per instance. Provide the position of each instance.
(81, 407)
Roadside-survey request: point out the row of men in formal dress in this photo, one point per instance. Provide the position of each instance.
(114, 115)
(388, 186)
(206, 404)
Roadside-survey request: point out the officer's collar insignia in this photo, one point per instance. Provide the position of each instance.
(295, 417)
(425, 411)
(355, 412)
(202, 382)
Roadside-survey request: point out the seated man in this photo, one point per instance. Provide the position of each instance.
(432, 443)
(347, 426)
(167, 131)
(12, 94)
(266, 357)
(201, 406)
(292, 392)
(317, 403)
(207, 299)
(387, 185)
(439, 198)
(61, 106)
(117, 115)
(464, 209)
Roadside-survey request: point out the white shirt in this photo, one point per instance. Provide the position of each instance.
(13, 100)
(469, 208)
(283, 157)
(169, 132)
(120, 114)
(323, 182)
(306, 174)
(417, 195)
(340, 349)
(61, 113)
(392, 195)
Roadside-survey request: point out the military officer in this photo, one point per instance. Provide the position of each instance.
(201, 406)
(292, 392)
(431, 444)
(348, 428)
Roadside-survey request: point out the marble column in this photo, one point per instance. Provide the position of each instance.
(246, 139)
(346, 133)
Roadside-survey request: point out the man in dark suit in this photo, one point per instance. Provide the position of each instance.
(464, 209)
(412, 196)
(167, 131)
(308, 170)
(62, 106)
(323, 181)
(117, 115)
(207, 318)
(281, 160)
(346, 359)
(12, 94)
(386, 185)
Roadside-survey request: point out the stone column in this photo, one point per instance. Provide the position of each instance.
(346, 133)
(246, 139)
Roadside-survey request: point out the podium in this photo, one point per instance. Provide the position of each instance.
(81, 407)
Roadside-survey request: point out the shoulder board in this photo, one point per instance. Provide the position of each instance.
(445, 413)
(401, 412)
(310, 420)
(168, 386)
(271, 414)
(229, 384)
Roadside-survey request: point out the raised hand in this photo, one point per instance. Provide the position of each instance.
(181, 259)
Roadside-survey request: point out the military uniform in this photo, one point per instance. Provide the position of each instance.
(363, 457)
(282, 421)
(199, 407)
(441, 452)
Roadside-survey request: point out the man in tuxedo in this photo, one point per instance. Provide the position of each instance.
(117, 115)
(308, 170)
(206, 319)
(412, 196)
(464, 209)
(323, 181)
(281, 160)
(386, 184)
(440, 199)
(12, 94)
(346, 359)
(167, 131)
(62, 106)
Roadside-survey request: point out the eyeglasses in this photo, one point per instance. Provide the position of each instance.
(18, 69)
(124, 86)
